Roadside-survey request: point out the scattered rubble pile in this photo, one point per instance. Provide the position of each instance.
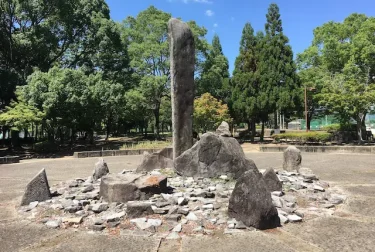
(220, 190)
(189, 206)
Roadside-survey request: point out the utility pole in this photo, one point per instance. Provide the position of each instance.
(306, 109)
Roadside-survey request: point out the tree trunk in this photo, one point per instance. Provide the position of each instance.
(253, 129)
(157, 121)
(360, 120)
(15, 141)
(262, 132)
(275, 119)
(36, 134)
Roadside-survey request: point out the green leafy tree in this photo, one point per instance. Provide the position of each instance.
(344, 53)
(279, 84)
(209, 112)
(147, 36)
(37, 34)
(214, 77)
(245, 81)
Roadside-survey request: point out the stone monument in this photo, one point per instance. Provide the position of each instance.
(182, 54)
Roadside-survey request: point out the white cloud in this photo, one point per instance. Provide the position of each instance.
(209, 13)
(216, 25)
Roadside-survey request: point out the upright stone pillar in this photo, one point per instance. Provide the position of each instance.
(182, 55)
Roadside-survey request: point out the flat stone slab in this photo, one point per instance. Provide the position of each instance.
(131, 186)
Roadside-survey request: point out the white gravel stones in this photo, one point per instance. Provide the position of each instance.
(319, 188)
(177, 228)
(294, 218)
(191, 217)
(53, 223)
(283, 219)
(173, 236)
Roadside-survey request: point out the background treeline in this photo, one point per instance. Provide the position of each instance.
(68, 70)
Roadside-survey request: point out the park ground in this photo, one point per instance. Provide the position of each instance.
(351, 228)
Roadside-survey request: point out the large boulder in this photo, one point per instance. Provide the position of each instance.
(101, 169)
(223, 130)
(37, 189)
(158, 160)
(212, 156)
(272, 181)
(131, 186)
(251, 202)
(292, 159)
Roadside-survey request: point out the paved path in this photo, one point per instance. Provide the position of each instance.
(351, 229)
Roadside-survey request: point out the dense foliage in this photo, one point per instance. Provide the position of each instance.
(209, 112)
(341, 58)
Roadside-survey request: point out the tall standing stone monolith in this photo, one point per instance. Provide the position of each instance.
(182, 57)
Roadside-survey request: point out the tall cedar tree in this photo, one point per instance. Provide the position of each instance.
(279, 83)
(215, 73)
(245, 81)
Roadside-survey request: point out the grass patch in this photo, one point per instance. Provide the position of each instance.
(147, 145)
(311, 136)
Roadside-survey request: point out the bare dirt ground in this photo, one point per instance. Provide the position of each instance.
(350, 229)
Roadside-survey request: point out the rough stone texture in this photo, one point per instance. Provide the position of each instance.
(182, 54)
(101, 169)
(272, 181)
(212, 156)
(251, 202)
(128, 187)
(292, 159)
(223, 130)
(135, 209)
(158, 160)
(37, 189)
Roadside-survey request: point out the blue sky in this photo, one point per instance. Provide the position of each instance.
(228, 17)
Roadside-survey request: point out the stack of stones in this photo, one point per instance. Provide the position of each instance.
(189, 205)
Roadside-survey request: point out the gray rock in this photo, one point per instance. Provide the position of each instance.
(114, 217)
(173, 236)
(272, 181)
(158, 160)
(318, 188)
(182, 201)
(294, 218)
(289, 198)
(182, 67)
(212, 156)
(292, 159)
(184, 211)
(97, 227)
(135, 209)
(100, 207)
(53, 224)
(251, 202)
(223, 130)
(37, 189)
(154, 222)
(173, 217)
(191, 217)
(88, 188)
(130, 187)
(101, 169)
(283, 219)
(177, 228)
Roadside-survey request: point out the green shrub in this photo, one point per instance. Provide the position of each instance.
(311, 136)
(331, 127)
(46, 147)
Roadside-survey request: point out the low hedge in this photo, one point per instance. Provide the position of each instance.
(311, 136)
